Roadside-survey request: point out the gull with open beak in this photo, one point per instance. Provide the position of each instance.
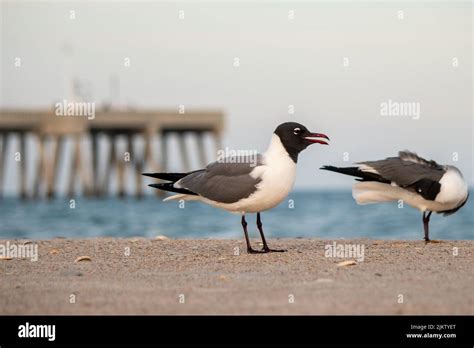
(246, 185)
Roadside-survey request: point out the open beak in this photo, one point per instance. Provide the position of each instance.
(313, 138)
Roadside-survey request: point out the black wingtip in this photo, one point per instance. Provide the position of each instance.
(166, 176)
(327, 168)
(168, 186)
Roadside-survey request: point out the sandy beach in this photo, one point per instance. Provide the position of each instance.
(164, 276)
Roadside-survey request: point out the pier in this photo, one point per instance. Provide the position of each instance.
(92, 168)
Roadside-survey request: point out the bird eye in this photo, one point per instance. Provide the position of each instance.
(296, 131)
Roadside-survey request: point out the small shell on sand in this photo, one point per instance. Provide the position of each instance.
(347, 263)
(161, 238)
(83, 258)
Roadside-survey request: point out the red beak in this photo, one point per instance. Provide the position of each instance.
(312, 138)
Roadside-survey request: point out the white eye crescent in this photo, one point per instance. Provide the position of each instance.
(296, 131)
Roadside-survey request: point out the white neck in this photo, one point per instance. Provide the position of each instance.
(276, 150)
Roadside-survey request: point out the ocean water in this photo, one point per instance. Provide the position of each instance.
(314, 214)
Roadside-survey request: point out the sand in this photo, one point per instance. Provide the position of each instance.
(151, 276)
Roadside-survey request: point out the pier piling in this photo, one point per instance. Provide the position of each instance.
(104, 147)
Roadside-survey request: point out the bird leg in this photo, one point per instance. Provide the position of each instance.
(250, 250)
(265, 245)
(426, 221)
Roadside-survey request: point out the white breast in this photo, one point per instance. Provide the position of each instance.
(277, 176)
(454, 189)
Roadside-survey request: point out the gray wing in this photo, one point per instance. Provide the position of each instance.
(406, 169)
(225, 181)
(410, 171)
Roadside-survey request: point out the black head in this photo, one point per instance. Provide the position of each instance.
(295, 138)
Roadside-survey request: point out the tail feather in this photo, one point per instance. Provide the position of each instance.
(174, 197)
(377, 192)
(183, 197)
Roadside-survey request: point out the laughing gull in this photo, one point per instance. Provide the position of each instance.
(245, 185)
(422, 184)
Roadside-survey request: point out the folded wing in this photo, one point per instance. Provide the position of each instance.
(225, 181)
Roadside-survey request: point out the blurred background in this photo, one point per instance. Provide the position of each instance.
(171, 83)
